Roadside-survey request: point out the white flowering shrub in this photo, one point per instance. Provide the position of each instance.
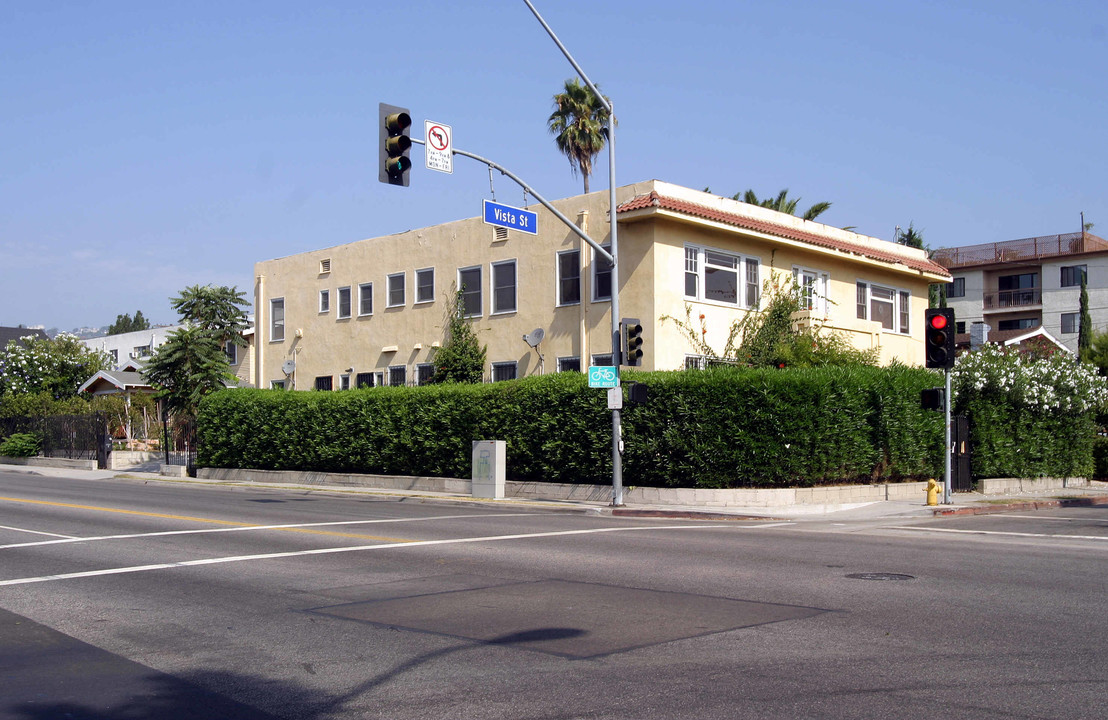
(56, 366)
(1031, 411)
(1037, 380)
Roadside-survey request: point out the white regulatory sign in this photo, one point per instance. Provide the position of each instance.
(440, 154)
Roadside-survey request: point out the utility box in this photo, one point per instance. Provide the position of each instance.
(488, 468)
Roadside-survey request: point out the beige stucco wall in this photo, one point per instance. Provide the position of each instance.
(652, 280)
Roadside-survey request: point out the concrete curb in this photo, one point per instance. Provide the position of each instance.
(1092, 501)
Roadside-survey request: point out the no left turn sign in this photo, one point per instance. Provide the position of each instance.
(440, 155)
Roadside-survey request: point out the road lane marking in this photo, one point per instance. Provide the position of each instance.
(243, 527)
(1000, 532)
(334, 550)
(1036, 517)
(37, 532)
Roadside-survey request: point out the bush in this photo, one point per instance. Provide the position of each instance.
(20, 445)
(724, 427)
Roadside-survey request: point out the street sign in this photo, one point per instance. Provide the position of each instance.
(438, 150)
(603, 376)
(512, 218)
(615, 398)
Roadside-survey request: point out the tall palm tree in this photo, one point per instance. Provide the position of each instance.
(579, 124)
(783, 203)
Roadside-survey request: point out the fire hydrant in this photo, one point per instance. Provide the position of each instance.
(933, 492)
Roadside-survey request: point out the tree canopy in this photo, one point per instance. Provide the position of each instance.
(461, 357)
(782, 203)
(125, 323)
(579, 124)
(57, 367)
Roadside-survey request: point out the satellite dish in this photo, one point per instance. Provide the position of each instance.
(535, 337)
(289, 367)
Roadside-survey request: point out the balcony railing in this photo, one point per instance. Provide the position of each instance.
(1029, 249)
(1013, 298)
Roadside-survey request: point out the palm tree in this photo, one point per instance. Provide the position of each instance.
(579, 124)
(782, 203)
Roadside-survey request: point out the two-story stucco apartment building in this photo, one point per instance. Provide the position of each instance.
(1020, 285)
(373, 312)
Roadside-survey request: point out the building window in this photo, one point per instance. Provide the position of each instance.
(365, 299)
(277, 319)
(503, 371)
(890, 307)
(1017, 290)
(424, 373)
(344, 303)
(956, 288)
(425, 285)
(114, 354)
(364, 379)
(396, 290)
(569, 364)
(1071, 322)
(232, 352)
(504, 287)
(344, 381)
(696, 362)
(469, 281)
(813, 287)
(398, 375)
(959, 328)
(324, 382)
(602, 360)
(721, 277)
(141, 351)
(276, 384)
(324, 301)
(569, 277)
(1021, 324)
(1072, 275)
(601, 276)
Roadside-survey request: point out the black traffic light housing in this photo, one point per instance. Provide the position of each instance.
(933, 399)
(939, 338)
(631, 330)
(393, 159)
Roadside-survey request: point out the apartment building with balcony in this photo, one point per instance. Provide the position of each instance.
(1017, 286)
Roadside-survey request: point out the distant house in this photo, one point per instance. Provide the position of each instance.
(8, 334)
(128, 350)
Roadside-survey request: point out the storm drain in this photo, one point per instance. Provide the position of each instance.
(880, 576)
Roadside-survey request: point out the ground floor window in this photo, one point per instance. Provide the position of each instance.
(398, 375)
(424, 373)
(569, 364)
(503, 371)
(324, 382)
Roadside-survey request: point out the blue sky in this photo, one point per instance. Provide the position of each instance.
(145, 147)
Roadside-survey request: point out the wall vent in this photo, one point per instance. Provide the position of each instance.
(499, 234)
(325, 266)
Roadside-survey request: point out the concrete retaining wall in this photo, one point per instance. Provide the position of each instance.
(1007, 486)
(66, 463)
(121, 459)
(741, 497)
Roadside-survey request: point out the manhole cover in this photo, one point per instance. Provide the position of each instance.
(881, 576)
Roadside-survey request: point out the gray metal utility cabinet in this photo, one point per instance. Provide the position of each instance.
(488, 468)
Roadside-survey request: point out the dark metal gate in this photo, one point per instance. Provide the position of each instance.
(960, 478)
(82, 437)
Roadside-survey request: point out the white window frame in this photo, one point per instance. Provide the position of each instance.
(597, 261)
(365, 290)
(419, 287)
(901, 302)
(496, 292)
(344, 381)
(503, 366)
(324, 301)
(698, 263)
(390, 290)
(471, 292)
(339, 314)
(276, 327)
(819, 302)
(402, 370)
(561, 279)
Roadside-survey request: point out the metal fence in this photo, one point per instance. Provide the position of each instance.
(1027, 249)
(83, 437)
(180, 447)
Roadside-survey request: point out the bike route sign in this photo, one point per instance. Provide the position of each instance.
(512, 218)
(603, 376)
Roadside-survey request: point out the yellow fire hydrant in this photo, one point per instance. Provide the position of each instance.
(933, 492)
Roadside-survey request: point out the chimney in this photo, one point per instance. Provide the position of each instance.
(978, 335)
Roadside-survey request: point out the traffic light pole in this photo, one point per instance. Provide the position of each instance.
(617, 439)
(949, 450)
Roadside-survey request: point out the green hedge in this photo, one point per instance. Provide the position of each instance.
(1013, 441)
(725, 427)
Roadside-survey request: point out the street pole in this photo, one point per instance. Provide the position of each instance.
(949, 450)
(617, 440)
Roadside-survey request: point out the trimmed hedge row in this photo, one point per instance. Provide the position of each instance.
(720, 428)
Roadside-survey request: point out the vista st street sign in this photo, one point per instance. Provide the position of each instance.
(513, 218)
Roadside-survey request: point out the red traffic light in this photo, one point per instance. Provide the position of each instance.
(938, 322)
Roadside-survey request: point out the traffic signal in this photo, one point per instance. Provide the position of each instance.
(632, 341)
(933, 399)
(393, 160)
(939, 338)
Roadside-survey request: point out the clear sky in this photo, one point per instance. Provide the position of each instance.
(147, 146)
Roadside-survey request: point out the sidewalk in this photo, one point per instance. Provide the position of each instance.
(963, 503)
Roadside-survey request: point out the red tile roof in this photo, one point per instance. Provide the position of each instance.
(655, 200)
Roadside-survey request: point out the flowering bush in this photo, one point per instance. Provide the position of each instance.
(1033, 380)
(58, 366)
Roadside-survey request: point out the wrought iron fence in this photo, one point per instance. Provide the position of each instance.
(83, 437)
(1028, 249)
(180, 445)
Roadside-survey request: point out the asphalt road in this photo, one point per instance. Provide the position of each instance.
(122, 600)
